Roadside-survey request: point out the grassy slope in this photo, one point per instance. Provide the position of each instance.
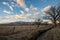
(24, 32)
(53, 34)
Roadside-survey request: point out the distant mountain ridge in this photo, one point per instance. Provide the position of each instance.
(16, 23)
(20, 23)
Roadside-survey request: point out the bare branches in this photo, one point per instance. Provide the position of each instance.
(54, 12)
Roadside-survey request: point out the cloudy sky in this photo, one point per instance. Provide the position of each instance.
(23, 10)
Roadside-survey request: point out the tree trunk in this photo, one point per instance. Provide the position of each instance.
(13, 29)
(37, 25)
(55, 23)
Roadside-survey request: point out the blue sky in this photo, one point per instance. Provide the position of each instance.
(23, 10)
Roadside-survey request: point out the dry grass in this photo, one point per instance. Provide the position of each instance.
(53, 34)
(22, 32)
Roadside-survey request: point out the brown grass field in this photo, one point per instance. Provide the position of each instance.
(25, 32)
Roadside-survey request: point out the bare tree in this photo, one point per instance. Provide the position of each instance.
(54, 13)
(37, 22)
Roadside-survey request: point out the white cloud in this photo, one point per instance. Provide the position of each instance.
(28, 15)
(11, 8)
(36, 14)
(27, 9)
(34, 11)
(46, 9)
(19, 16)
(21, 3)
(31, 12)
(22, 11)
(8, 12)
(12, 2)
(4, 3)
(33, 8)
